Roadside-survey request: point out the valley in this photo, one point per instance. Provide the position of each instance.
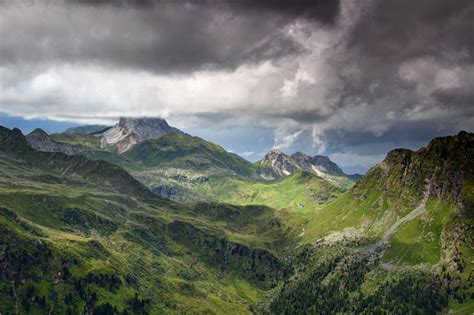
(142, 218)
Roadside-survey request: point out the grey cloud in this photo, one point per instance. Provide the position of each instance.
(456, 97)
(325, 11)
(388, 36)
(381, 84)
(160, 36)
(395, 30)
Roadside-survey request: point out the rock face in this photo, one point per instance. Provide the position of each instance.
(284, 165)
(281, 163)
(130, 131)
(445, 164)
(41, 141)
(319, 162)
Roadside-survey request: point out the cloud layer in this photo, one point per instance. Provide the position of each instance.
(352, 79)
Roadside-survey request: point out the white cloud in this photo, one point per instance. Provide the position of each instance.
(325, 87)
(283, 140)
(247, 154)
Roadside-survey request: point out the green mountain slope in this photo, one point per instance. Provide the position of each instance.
(401, 240)
(87, 141)
(174, 162)
(86, 130)
(186, 152)
(84, 236)
(185, 168)
(300, 192)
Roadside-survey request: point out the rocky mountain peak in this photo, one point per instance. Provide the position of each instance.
(130, 131)
(12, 140)
(444, 165)
(317, 163)
(301, 155)
(302, 159)
(40, 140)
(283, 164)
(39, 132)
(279, 162)
(274, 153)
(326, 165)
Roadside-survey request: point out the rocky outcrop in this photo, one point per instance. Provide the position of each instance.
(281, 163)
(444, 164)
(284, 165)
(41, 141)
(320, 162)
(130, 131)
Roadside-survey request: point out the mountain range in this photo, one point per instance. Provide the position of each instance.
(175, 164)
(142, 218)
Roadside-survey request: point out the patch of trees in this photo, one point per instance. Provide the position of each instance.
(255, 265)
(335, 287)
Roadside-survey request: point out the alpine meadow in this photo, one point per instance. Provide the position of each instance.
(236, 157)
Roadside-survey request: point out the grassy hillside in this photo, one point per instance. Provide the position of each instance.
(185, 168)
(84, 140)
(186, 152)
(401, 240)
(300, 192)
(83, 236)
(71, 243)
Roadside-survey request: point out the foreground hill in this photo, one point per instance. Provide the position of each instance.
(400, 241)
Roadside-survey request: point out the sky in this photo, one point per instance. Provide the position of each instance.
(351, 79)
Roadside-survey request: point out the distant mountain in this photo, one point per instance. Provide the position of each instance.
(356, 169)
(13, 141)
(15, 144)
(317, 163)
(39, 140)
(86, 130)
(279, 162)
(179, 150)
(176, 165)
(170, 162)
(275, 162)
(130, 131)
(119, 138)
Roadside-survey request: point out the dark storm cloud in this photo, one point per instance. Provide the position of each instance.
(160, 36)
(357, 76)
(406, 134)
(395, 30)
(391, 32)
(325, 11)
(414, 74)
(457, 98)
